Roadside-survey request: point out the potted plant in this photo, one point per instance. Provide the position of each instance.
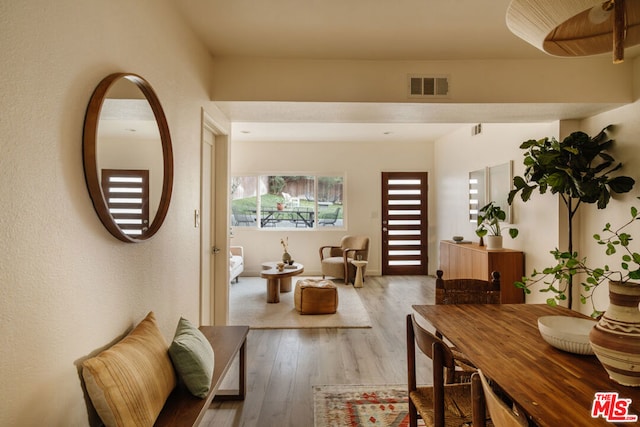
(578, 169)
(490, 218)
(286, 257)
(616, 242)
(616, 337)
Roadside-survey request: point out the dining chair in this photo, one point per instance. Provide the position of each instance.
(290, 201)
(330, 219)
(466, 291)
(242, 217)
(444, 403)
(500, 413)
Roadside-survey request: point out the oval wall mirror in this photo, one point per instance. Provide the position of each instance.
(127, 155)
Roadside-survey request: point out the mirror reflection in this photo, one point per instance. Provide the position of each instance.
(129, 156)
(128, 160)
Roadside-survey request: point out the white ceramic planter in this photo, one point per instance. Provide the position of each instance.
(493, 242)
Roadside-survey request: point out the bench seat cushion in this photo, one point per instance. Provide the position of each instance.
(129, 382)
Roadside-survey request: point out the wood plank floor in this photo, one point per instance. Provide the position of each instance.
(283, 364)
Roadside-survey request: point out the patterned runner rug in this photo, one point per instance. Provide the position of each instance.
(360, 405)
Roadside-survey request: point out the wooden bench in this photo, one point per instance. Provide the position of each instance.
(184, 409)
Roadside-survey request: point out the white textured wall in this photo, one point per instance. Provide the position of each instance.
(67, 287)
(626, 133)
(459, 153)
(471, 81)
(361, 162)
(540, 220)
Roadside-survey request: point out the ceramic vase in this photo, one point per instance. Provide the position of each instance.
(494, 242)
(286, 258)
(615, 339)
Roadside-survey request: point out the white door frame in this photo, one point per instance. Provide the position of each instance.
(219, 286)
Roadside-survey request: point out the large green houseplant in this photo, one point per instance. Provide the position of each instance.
(579, 170)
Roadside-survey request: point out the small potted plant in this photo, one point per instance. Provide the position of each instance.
(286, 257)
(490, 218)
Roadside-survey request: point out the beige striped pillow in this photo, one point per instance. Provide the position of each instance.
(129, 382)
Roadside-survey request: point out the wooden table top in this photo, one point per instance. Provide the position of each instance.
(554, 387)
(287, 272)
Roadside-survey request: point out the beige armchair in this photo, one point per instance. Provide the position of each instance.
(336, 260)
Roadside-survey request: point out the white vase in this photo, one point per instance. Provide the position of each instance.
(493, 242)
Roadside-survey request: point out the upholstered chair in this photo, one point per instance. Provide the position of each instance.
(336, 260)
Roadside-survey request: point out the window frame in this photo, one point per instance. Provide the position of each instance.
(262, 182)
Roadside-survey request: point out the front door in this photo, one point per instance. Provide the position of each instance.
(404, 223)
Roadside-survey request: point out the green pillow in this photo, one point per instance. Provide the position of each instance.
(193, 358)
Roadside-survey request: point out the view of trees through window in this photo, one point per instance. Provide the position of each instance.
(287, 201)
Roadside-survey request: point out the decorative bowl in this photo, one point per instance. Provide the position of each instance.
(458, 238)
(566, 333)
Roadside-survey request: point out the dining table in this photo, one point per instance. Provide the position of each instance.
(275, 216)
(553, 387)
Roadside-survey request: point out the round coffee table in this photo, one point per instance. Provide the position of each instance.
(279, 281)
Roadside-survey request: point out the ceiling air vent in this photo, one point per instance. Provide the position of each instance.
(428, 86)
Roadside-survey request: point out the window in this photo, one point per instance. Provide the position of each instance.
(287, 201)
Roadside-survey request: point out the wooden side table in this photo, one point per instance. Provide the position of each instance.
(279, 281)
(359, 282)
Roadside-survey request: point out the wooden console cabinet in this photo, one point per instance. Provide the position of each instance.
(472, 261)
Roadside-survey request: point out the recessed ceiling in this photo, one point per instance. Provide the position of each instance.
(356, 29)
(366, 30)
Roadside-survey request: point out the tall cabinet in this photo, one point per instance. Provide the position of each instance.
(472, 261)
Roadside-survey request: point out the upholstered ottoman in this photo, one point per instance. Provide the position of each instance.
(316, 296)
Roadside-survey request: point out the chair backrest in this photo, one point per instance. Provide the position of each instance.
(443, 364)
(357, 245)
(290, 201)
(467, 291)
(241, 216)
(435, 349)
(331, 218)
(501, 415)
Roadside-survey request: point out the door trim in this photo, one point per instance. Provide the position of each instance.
(220, 227)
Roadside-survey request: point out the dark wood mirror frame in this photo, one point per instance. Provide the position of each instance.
(89, 151)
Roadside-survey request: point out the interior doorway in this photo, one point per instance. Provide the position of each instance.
(404, 223)
(213, 221)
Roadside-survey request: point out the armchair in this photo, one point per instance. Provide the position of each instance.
(336, 260)
(236, 262)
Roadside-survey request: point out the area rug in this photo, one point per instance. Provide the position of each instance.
(360, 406)
(248, 306)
